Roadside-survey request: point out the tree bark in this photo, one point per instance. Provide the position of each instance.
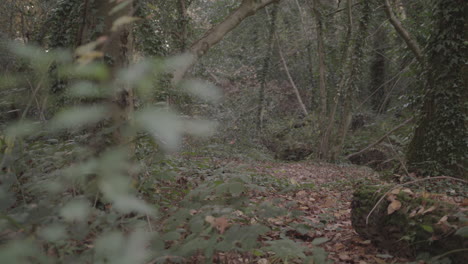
(217, 33)
(439, 142)
(378, 70)
(182, 6)
(264, 71)
(323, 145)
(321, 55)
(118, 48)
(404, 34)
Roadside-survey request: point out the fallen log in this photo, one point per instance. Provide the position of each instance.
(409, 224)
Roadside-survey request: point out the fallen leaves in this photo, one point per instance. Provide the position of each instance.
(394, 205)
(324, 207)
(220, 223)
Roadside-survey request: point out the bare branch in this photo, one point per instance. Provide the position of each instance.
(410, 41)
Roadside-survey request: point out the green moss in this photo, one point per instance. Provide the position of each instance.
(402, 233)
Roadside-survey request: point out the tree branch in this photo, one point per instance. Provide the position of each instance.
(382, 138)
(217, 33)
(410, 41)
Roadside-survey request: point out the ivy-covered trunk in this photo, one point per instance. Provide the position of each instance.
(440, 142)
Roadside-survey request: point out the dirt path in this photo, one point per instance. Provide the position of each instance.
(326, 207)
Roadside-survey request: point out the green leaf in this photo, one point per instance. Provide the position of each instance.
(21, 252)
(197, 224)
(203, 90)
(37, 56)
(91, 71)
(79, 116)
(170, 236)
(136, 248)
(86, 89)
(236, 188)
(165, 126)
(319, 241)
(180, 61)
(120, 6)
(286, 249)
(21, 129)
(123, 20)
(462, 231)
(76, 210)
(53, 233)
(200, 128)
(128, 204)
(427, 228)
(257, 252)
(319, 255)
(108, 247)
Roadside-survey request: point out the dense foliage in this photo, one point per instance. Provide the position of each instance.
(107, 157)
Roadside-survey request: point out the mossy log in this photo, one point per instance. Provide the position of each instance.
(418, 225)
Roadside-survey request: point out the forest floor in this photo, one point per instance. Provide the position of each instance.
(326, 206)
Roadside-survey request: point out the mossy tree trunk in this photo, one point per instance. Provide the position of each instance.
(439, 144)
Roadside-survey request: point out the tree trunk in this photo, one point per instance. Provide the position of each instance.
(377, 87)
(439, 143)
(118, 49)
(323, 145)
(264, 72)
(330, 148)
(182, 6)
(217, 33)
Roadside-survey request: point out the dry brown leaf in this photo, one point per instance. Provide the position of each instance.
(379, 261)
(413, 213)
(329, 202)
(365, 242)
(193, 212)
(465, 202)
(443, 220)
(301, 193)
(395, 191)
(393, 207)
(391, 197)
(430, 209)
(407, 191)
(339, 246)
(220, 223)
(344, 257)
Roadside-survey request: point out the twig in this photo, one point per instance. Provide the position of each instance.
(408, 183)
(450, 252)
(342, 9)
(382, 138)
(149, 223)
(398, 156)
(11, 221)
(383, 84)
(291, 81)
